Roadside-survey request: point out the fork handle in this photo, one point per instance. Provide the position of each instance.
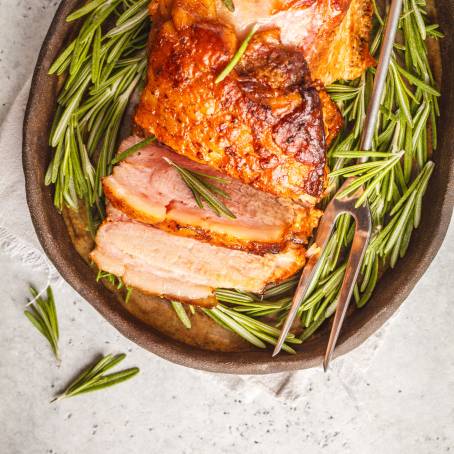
(392, 23)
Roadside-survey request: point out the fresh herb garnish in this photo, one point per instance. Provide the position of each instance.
(407, 116)
(103, 68)
(131, 150)
(115, 281)
(275, 301)
(43, 315)
(229, 5)
(370, 173)
(203, 191)
(254, 331)
(237, 57)
(93, 378)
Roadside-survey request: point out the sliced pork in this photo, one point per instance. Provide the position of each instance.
(163, 264)
(147, 188)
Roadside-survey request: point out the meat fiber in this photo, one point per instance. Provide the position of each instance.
(148, 189)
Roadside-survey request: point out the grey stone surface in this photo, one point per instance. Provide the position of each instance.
(394, 394)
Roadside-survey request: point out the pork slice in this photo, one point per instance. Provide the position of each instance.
(145, 279)
(171, 266)
(147, 188)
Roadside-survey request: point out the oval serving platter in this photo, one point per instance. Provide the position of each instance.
(205, 350)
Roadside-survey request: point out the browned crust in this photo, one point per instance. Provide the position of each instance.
(332, 118)
(263, 124)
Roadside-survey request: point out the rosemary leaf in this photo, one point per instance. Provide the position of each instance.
(88, 8)
(417, 82)
(62, 59)
(234, 296)
(276, 290)
(133, 149)
(237, 57)
(128, 294)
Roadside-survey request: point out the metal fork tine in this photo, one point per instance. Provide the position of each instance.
(336, 207)
(358, 249)
(310, 269)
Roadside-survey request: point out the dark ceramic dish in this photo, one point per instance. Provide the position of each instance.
(390, 293)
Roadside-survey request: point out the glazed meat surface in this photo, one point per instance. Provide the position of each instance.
(182, 268)
(266, 124)
(148, 189)
(262, 124)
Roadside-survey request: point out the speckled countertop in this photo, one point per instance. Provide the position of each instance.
(394, 394)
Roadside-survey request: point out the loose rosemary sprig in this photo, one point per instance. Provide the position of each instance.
(94, 378)
(204, 191)
(43, 316)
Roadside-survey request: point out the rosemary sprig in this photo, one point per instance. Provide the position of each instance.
(43, 316)
(254, 331)
(370, 174)
(204, 191)
(237, 57)
(102, 68)
(250, 304)
(94, 378)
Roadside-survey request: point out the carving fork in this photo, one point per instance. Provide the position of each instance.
(337, 206)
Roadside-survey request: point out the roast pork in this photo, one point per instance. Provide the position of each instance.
(148, 189)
